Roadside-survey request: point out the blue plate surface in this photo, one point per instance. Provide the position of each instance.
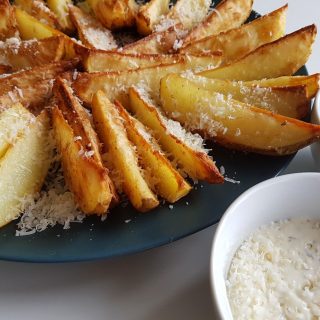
(94, 239)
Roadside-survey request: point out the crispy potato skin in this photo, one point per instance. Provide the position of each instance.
(33, 54)
(229, 14)
(233, 123)
(237, 43)
(195, 163)
(7, 22)
(86, 178)
(24, 167)
(113, 134)
(279, 58)
(160, 174)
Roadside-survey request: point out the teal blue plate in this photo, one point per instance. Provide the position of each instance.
(94, 239)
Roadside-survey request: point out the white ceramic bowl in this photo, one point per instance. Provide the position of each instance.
(283, 197)
(315, 118)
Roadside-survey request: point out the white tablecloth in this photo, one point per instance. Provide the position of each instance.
(167, 283)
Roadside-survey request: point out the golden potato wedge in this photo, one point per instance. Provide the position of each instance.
(27, 54)
(61, 9)
(227, 15)
(5, 69)
(163, 179)
(91, 32)
(150, 14)
(24, 167)
(312, 83)
(39, 10)
(116, 84)
(290, 101)
(187, 12)
(124, 160)
(236, 43)
(231, 122)
(115, 14)
(186, 149)
(13, 122)
(158, 42)
(102, 61)
(279, 58)
(32, 87)
(87, 179)
(8, 26)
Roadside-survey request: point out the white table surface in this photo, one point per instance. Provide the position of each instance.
(167, 283)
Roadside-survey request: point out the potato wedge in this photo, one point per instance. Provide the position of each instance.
(150, 14)
(237, 43)
(185, 148)
(233, 123)
(279, 58)
(116, 84)
(27, 54)
(163, 179)
(61, 9)
(39, 10)
(91, 32)
(227, 15)
(5, 69)
(24, 167)
(7, 21)
(124, 159)
(157, 42)
(289, 101)
(13, 122)
(114, 14)
(87, 179)
(312, 83)
(32, 87)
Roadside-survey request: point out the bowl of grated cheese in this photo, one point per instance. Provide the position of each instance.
(315, 118)
(265, 258)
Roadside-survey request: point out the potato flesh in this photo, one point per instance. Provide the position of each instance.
(290, 101)
(13, 122)
(279, 58)
(195, 163)
(236, 43)
(87, 179)
(228, 14)
(24, 168)
(164, 179)
(233, 123)
(113, 135)
(149, 15)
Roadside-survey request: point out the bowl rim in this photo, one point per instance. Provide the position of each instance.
(279, 179)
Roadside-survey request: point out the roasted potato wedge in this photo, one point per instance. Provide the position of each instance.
(61, 9)
(312, 83)
(13, 122)
(150, 14)
(8, 27)
(115, 14)
(228, 14)
(157, 42)
(24, 167)
(124, 160)
(159, 173)
(39, 10)
(231, 122)
(116, 84)
(91, 32)
(237, 43)
(188, 12)
(290, 101)
(5, 69)
(186, 149)
(27, 54)
(87, 179)
(32, 87)
(282, 57)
